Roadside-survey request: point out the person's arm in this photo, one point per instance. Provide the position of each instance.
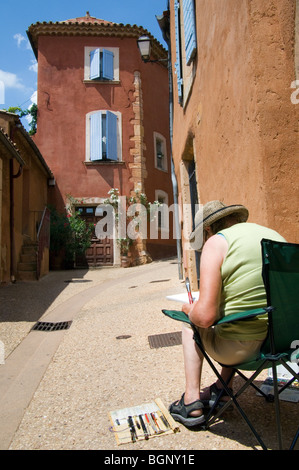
(204, 312)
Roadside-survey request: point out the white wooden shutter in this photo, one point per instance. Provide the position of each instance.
(178, 65)
(95, 61)
(189, 29)
(96, 136)
(108, 64)
(111, 136)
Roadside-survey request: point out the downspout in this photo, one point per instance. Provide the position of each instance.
(163, 22)
(12, 218)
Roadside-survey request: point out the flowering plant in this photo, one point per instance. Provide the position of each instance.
(69, 233)
(81, 233)
(139, 201)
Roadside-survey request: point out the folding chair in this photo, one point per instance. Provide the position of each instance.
(281, 279)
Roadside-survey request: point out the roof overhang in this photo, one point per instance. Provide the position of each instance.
(95, 29)
(10, 147)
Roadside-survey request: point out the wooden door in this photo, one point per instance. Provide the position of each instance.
(100, 253)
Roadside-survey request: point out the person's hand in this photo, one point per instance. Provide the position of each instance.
(186, 308)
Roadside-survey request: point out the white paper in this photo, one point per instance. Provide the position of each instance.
(183, 298)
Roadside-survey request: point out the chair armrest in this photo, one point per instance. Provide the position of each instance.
(242, 315)
(181, 316)
(177, 315)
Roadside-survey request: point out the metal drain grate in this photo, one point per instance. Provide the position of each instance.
(50, 326)
(165, 339)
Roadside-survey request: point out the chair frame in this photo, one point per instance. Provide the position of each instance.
(270, 359)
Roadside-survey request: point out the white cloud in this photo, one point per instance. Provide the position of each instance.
(33, 98)
(20, 39)
(33, 66)
(11, 80)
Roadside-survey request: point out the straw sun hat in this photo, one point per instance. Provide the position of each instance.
(213, 211)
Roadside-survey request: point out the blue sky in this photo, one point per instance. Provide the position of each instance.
(18, 68)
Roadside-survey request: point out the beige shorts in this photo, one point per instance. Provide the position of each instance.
(227, 351)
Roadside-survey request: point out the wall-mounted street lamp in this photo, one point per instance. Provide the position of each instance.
(144, 45)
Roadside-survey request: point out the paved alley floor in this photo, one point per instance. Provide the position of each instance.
(57, 388)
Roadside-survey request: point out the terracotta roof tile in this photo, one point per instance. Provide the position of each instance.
(87, 19)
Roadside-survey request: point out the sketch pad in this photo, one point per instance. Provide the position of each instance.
(183, 298)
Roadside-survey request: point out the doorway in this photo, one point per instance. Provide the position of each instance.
(194, 202)
(100, 252)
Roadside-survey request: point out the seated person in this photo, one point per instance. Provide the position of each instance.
(230, 282)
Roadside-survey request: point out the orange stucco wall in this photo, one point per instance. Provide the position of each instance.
(64, 100)
(239, 116)
(23, 192)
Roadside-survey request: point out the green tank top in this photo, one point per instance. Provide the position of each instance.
(242, 284)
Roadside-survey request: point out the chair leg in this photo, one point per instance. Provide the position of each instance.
(257, 389)
(277, 405)
(233, 398)
(295, 440)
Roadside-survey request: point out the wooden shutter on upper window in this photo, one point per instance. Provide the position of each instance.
(178, 68)
(111, 136)
(189, 29)
(95, 61)
(108, 64)
(96, 136)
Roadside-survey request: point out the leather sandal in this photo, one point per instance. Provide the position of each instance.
(214, 394)
(181, 412)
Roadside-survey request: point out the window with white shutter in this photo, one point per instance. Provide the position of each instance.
(160, 151)
(101, 64)
(103, 136)
(189, 30)
(178, 63)
(186, 47)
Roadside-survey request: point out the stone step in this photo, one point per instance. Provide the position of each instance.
(29, 249)
(28, 240)
(26, 266)
(27, 275)
(28, 258)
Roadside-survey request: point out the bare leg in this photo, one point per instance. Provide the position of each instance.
(193, 361)
(225, 374)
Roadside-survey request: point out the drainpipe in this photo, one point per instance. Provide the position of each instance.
(163, 22)
(12, 218)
